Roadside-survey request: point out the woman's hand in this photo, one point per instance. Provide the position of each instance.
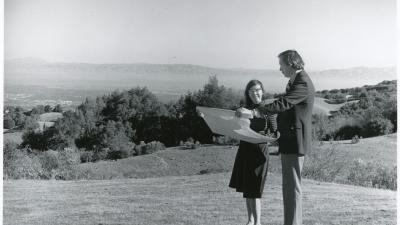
(243, 112)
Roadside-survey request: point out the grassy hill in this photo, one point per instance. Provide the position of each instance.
(322, 107)
(214, 159)
(185, 200)
(377, 149)
(50, 117)
(15, 137)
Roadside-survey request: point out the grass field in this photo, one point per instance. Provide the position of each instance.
(13, 137)
(185, 200)
(322, 107)
(50, 117)
(213, 159)
(378, 149)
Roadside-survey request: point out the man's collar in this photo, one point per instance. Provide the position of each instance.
(294, 76)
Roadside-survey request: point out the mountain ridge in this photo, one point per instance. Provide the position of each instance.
(176, 77)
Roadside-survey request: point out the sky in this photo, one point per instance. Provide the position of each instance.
(216, 33)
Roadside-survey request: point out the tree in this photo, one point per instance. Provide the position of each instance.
(113, 137)
(19, 116)
(37, 110)
(212, 95)
(8, 122)
(377, 126)
(58, 108)
(47, 108)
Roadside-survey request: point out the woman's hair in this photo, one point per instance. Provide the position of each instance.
(248, 102)
(292, 59)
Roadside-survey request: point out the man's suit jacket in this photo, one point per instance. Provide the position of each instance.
(294, 110)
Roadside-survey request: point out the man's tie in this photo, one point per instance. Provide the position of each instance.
(289, 84)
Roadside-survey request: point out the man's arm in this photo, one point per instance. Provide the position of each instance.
(297, 93)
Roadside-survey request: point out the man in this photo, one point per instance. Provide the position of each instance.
(294, 110)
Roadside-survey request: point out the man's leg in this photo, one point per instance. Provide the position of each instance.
(292, 165)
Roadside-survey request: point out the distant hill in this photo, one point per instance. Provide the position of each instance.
(173, 79)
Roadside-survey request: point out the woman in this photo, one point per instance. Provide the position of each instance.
(251, 163)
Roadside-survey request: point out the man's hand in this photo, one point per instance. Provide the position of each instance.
(243, 112)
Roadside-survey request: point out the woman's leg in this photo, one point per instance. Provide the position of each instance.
(254, 204)
(257, 211)
(250, 210)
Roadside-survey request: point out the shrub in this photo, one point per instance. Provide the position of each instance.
(323, 165)
(118, 154)
(87, 156)
(100, 154)
(23, 165)
(370, 174)
(377, 126)
(50, 161)
(190, 144)
(8, 122)
(140, 148)
(153, 146)
(57, 164)
(355, 139)
(225, 140)
(348, 132)
(9, 152)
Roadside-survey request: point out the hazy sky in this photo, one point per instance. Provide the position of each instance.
(218, 33)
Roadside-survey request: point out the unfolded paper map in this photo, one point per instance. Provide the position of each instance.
(224, 122)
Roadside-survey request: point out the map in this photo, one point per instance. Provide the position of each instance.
(224, 122)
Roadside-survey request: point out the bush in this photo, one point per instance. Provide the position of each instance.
(139, 149)
(56, 164)
(100, 154)
(9, 152)
(348, 132)
(153, 146)
(118, 154)
(87, 156)
(323, 165)
(377, 126)
(355, 139)
(22, 165)
(50, 161)
(370, 174)
(28, 164)
(225, 140)
(8, 122)
(190, 144)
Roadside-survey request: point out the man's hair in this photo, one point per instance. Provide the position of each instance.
(292, 59)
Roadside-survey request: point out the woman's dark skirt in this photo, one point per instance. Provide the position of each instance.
(250, 169)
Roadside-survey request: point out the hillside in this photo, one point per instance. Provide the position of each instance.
(378, 149)
(322, 107)
(185, 200)
(214, 159)
(50, 117)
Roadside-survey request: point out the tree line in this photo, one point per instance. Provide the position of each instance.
(120, 123)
